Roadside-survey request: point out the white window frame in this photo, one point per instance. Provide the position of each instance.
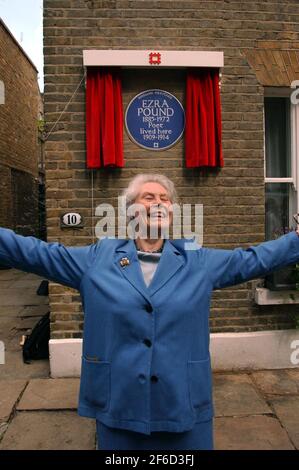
(295, 148)
(262, 295)
(294, 119)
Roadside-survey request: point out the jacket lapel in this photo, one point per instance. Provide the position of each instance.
(132, 272)
(171, 260)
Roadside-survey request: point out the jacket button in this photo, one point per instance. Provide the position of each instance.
(147, 342)
(148, 308)
(142, 378)
(154, 378)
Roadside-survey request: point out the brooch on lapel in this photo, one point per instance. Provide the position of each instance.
(124, 262)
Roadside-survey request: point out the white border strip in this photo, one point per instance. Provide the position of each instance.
(141, 58)
(275, 349)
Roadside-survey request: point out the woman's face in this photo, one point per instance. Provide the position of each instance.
(158, 207)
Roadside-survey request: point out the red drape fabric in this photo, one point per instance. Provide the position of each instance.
(104, 118)
(203, 146)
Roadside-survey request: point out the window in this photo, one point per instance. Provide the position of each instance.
(281, 163)
(281, 124)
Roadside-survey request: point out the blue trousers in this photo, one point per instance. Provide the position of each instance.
(198, 438)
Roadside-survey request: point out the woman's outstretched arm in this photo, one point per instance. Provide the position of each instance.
(229, 267)
(54, 261)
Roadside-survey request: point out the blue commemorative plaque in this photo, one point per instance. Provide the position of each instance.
(155, 119)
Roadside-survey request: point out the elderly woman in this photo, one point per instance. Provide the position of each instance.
(146, 370)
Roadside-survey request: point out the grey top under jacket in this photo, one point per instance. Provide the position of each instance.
(148, 263)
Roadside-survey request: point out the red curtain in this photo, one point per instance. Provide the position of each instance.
(104, 118)
(203, 119)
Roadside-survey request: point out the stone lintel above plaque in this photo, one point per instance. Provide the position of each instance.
(152, 58)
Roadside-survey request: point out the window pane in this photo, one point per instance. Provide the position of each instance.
(277, 209)
(277, 137)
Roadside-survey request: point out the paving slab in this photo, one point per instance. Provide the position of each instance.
(15, 368)
(277, 382)
(11, 332)
(10, 327)
(50, 394)
(235, 395)
(20, 280)
(10, 391)
(27, 283)
(250, 433)
(32, 276)
(9, 284)
(49, 430)
(3, 428)
(20, 309)
(15, 274)
(287, 411)
(34, 310)
(11, 341)
(26, 323)
(8, 274)
(10, 310)
(21, 297)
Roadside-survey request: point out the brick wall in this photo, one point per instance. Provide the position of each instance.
(6, 199)
(233, 197)
(18, 138)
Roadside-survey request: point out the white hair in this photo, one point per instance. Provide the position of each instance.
(133, 189)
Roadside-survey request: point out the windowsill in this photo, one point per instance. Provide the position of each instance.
(263, 296)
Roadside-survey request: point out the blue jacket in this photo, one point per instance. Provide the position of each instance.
(146, 362)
